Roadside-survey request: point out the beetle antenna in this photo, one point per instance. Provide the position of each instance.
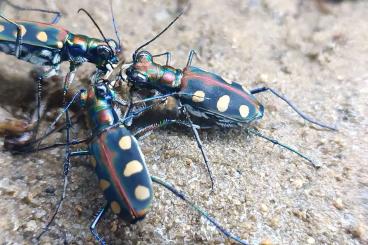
(115, 28)
(158, 35)
(99, 29)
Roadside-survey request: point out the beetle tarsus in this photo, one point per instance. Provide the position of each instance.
(276, 142)
(96, 220)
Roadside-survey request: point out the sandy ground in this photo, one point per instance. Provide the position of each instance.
(263, 193)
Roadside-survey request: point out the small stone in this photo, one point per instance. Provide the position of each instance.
(338, 203)
(262, 78)
(247, 226)
(188, 161)
(300, 214)
(340, 77)
(79, 209)
(311, 240)
(31, 226)
(265, 242)
(264, 208)
(298, 183)
(253, 218)
(357, 231)
(114, 226)
(274, 222)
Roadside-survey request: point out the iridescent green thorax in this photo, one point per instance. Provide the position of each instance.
(88, 49)
(158, 76)
(49, 45)
(98, 101)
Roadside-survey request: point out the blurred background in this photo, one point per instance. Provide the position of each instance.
(315, 52)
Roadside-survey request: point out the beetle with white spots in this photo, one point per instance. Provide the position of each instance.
(48, 45)
(204, 98)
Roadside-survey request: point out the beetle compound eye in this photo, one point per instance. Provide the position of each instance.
(103, 51)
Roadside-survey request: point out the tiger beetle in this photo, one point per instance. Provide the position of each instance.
(117, 160)
(48, 45)
(203, 95)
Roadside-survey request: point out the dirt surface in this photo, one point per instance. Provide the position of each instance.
(264, 194)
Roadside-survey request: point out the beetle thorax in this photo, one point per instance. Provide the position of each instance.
(100, 111)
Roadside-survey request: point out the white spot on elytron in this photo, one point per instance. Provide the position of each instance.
(198, 96)
(244, 111)
(2, 28)
(141, 193)
(59, 44)
(132, 167)
(23, 31)
(104, 184)
(125, 142)
(42, 36)
(223, 103)
(115, 207)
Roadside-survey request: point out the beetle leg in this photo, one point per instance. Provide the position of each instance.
(143, 132)
(68, 121)
(273, 141)
(68, 155)
(168, 57)
(41, 105)
(199, 144)
(204, 214)
(54, 20)
(304, 116)
(190, 57)
(19, 37)
(134, 114)
(96, 220)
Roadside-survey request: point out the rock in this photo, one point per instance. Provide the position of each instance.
(265, 241)
(274, 222)
(338, 203)
(31, 225)
(262, 78)
(357, 231)
(114, 226)
(264, 208)
(311, 240)
(298, 183)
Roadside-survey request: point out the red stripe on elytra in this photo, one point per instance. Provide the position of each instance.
(212, 82)
(114, 177)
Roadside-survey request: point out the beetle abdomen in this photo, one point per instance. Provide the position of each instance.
(34, 33)
(122, 173)
(33, 54)
(215, 96)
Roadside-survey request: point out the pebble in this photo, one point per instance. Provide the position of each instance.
(253, 218)
(298, 183)
(311, 240)
(274, 222)
(300, 214)
(114, 226)
(262, 78)
(357, 231)
(264, 208)
(31, 225)
(79, 209)
(265, 242)
(338, 203)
